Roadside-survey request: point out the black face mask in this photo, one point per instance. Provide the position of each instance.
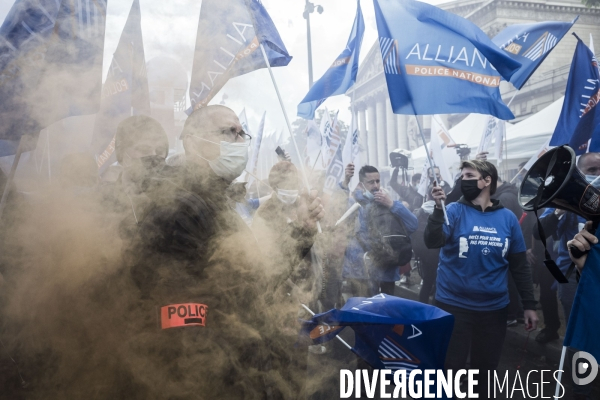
(469, 189)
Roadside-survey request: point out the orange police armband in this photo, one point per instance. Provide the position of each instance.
(188, 314)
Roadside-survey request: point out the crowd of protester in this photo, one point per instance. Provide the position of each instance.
(192, 231)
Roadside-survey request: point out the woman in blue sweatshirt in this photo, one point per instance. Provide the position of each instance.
(478, 247)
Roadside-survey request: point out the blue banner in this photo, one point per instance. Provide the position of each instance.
(584, 321)
(530, 44)
(390, 332)
(125, 91)
(50, 64)
(340, 76)
(436, 62)
(579, 116)
(228, 45)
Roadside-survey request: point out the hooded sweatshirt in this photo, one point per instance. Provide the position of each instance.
(477, 249)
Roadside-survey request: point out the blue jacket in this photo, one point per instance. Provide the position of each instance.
(562, 230)
(354, 266)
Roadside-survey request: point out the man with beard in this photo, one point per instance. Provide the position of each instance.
(202, 275)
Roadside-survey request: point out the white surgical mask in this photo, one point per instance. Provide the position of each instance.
(368, 195)
(287, 196)
(232, 159)
(594, 180)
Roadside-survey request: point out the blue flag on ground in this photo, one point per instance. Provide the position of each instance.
(436, 62)
(125, 91)
(390, 332)
(228, 45)
(340, 76)
(580, 115)
(530, 44)
(50, 65)
(584, 322)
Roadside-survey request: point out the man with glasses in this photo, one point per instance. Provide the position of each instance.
(195, 249)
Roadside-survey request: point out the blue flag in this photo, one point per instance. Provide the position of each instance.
(228, 45)
(579, 115)
(50, 65)
(125, 91)
(340, 76)
(436, 62)
(391, 333)
(530, 44)
(584, 321)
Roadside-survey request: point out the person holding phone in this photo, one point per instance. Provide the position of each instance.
(478, 247)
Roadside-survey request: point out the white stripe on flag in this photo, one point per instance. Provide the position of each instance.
(394, 349)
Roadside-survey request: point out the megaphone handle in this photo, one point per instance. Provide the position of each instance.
(578, 253)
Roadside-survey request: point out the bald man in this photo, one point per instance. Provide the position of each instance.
(194, 250)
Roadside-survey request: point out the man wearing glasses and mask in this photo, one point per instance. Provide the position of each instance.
(196, 251)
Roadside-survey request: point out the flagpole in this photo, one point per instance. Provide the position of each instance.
(11, 175)
(432, 166)
(315, 163)
(337, 337)
(560, 368)
(505, 144)
(289, 126)
(48, 148)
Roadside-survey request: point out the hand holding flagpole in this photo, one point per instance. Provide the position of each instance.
(432, 166)
(289, 126)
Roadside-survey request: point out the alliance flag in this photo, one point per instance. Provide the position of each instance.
(530, 44)
(580, 115)
(50, 65)
(340, 76)
(436, 62)
(228, 45)
(390, 332)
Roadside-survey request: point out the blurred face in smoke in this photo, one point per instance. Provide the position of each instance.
(141, 161)
(214, 135)
(141, 146)
(283, 178)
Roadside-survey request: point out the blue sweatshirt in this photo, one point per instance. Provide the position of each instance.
(474, 259)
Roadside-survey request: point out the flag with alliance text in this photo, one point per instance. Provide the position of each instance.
(436, 62)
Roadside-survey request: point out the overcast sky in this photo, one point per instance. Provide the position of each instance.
(169, 29)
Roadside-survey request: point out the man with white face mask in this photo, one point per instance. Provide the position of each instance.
(280, 223)
(196, 250)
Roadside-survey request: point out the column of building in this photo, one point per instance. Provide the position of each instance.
(371, 132)
(391, 125)
(382, 156)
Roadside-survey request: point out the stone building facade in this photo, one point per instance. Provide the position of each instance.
(547, 84)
